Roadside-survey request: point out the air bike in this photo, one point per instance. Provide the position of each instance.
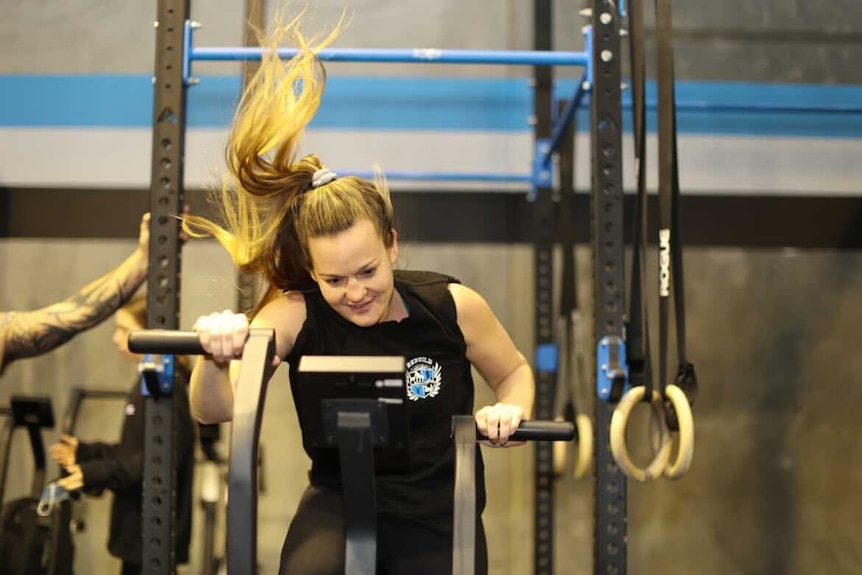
(363, 405)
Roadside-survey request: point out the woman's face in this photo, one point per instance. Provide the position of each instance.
(124, 322)
(354, 271)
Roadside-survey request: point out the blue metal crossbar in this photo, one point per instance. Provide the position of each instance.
(381, 55)
(446, 176)
(426, 56)
(562, 123)
(416, 56)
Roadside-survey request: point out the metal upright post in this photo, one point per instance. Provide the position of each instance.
(166, 188)
(608, 251)
(543, 250)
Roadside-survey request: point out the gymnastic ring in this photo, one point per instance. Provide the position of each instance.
(559, 453)
(685, 452)
(619, 421)
(585, 446)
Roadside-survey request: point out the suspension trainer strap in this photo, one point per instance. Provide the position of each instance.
(664, 52)
(670, 241)
(568, 308)
(637, 338)
(686, 379)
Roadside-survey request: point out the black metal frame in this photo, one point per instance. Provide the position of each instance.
(166, 200)
(543, 252)
(169, 124)
(608, 260)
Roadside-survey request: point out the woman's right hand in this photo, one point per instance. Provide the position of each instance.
(222, 335)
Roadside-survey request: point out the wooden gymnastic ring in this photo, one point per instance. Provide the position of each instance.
(685, 452)
(585, 446)
(619, 421)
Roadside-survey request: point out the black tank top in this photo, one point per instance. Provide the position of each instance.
(440, 385)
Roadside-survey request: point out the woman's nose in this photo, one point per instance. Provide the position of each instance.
(355, 291)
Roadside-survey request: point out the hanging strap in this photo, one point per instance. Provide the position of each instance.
(670, 241)
(685, 376)
(568, 289)
(637, 336)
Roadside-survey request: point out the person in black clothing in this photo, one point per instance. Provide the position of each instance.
(327, 248)
(118, 467)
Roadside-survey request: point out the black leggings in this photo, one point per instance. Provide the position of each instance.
(131, 569)
(316, 539)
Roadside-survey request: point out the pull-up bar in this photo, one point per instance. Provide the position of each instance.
(540, 175)
(392, 56)
(415, 56)
(446, 176)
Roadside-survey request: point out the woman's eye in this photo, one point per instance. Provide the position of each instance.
(333, 282)
(367, 273)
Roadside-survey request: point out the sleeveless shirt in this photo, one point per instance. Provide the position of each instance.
(439, 385)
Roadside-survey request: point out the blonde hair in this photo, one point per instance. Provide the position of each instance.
(268, 206)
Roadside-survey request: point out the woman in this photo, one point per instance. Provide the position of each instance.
(327, 248)
(95, 467)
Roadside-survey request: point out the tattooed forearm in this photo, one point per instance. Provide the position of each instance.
(28, 334)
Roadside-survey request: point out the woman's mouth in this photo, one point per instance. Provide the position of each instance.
(359, 308)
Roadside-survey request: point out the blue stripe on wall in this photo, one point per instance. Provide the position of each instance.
(437, 104)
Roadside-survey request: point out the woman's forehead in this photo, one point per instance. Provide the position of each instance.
(347, 251)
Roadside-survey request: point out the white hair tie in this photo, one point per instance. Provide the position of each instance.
(322, 177)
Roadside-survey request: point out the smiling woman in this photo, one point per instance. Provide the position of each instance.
(327, 247)
(354, 272)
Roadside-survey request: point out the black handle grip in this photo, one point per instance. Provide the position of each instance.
(165, 341)
(541, 431)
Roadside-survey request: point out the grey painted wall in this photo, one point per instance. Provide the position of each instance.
(783, 41)
(776, 41)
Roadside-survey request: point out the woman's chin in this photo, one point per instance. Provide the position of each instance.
(364, 320)
(364, 317)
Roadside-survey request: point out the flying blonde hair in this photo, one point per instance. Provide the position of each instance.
(268, 206)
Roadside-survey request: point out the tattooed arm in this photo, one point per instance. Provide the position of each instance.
(32, 333)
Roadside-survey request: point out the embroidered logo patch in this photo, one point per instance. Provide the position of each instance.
(424, 377)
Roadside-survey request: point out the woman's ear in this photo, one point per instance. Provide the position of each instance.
(393, 250)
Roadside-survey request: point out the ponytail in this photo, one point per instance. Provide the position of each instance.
(265, 184)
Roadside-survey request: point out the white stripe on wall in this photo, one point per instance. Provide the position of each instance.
(727, 164)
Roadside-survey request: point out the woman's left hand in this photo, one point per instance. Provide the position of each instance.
(497, 422)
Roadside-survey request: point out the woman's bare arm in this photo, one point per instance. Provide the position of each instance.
(223, 336)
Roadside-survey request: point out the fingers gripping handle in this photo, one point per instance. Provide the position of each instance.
(541, 431)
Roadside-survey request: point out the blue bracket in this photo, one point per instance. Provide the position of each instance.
(590, 67)
(157, 375)
(612, 371)
(188, 31)
(547, 358)
(561, 123)
(542, 176)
